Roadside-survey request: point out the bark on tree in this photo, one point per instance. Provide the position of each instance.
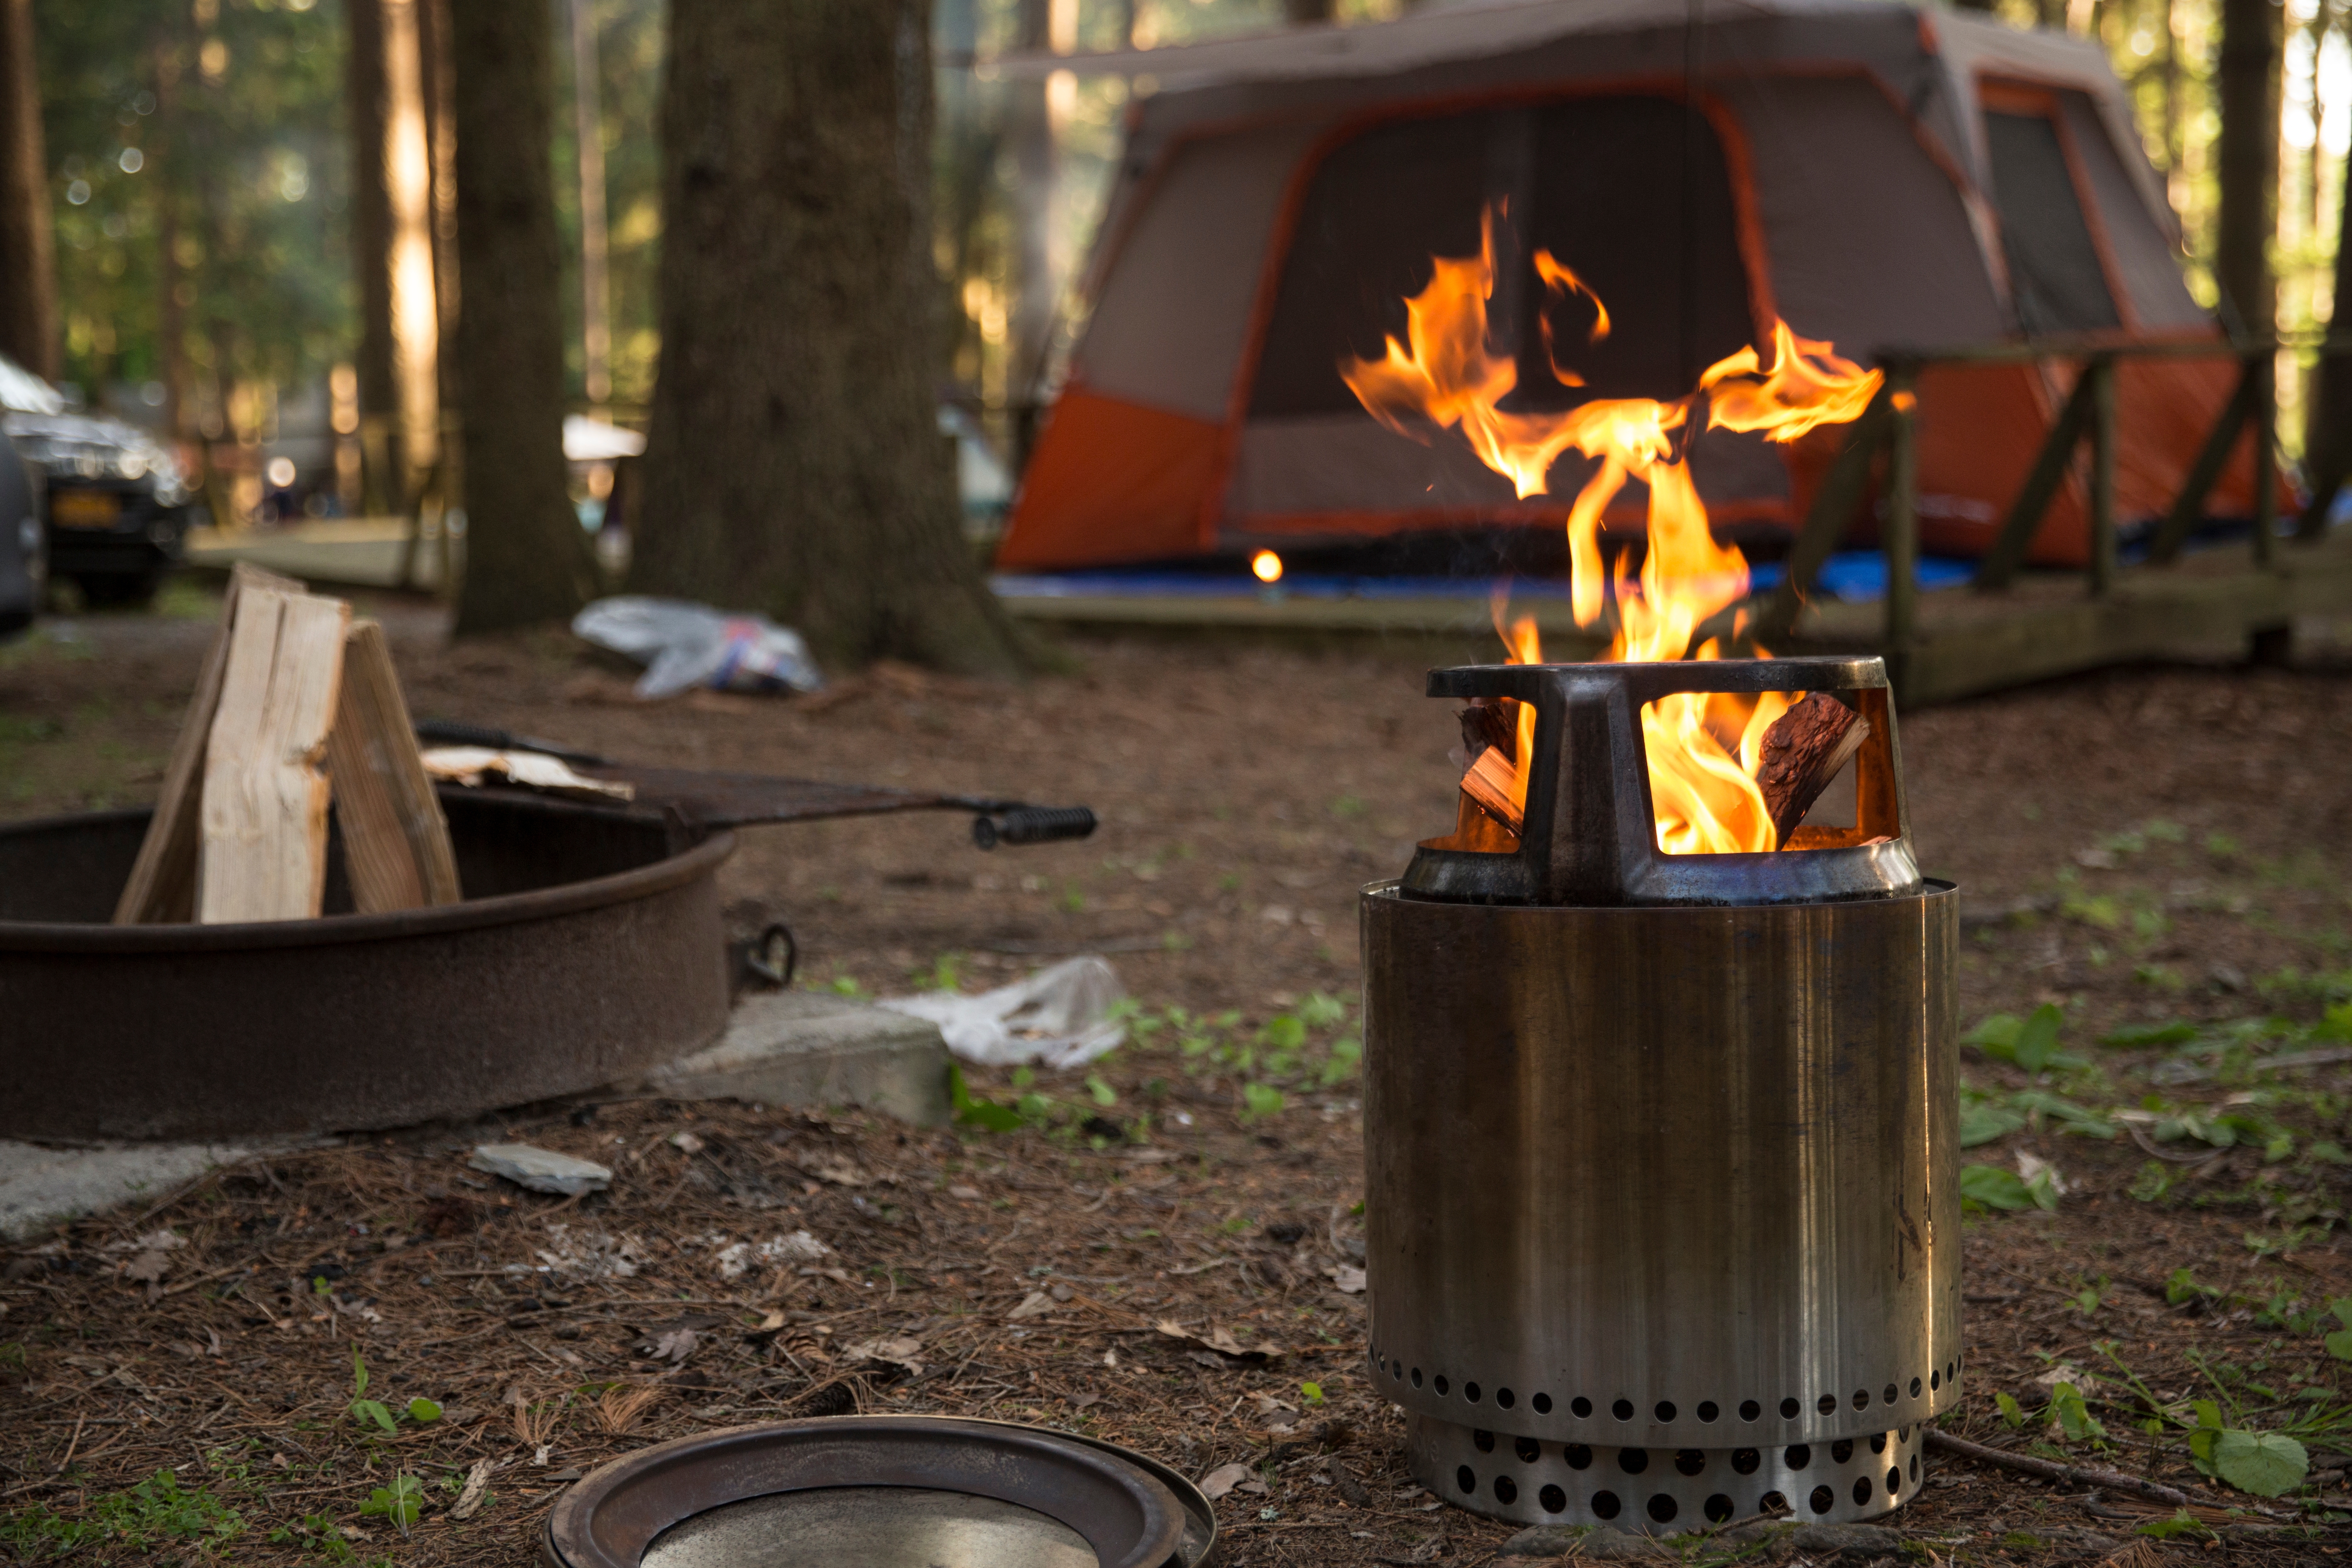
(1029, 131)
(794, 464)
(527, 558)
(28, 262)
(1299, 12)
(2327, 439)
(2249, 70)
(378, 385)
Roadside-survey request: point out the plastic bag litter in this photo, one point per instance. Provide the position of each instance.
(1058, 1017)
(684, 644)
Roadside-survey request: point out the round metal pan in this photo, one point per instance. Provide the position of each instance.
(878, 1491)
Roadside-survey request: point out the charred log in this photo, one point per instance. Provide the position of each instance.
(1802, 753)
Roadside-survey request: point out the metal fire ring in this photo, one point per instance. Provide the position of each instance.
(592, 949)
(881, 1491)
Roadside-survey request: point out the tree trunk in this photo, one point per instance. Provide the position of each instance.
(1299, 12)
(2327, 438)
(28, 262)
(588, 136)
(381, 491)
(527, 558)
(1036, 172)
(794, 464)
(2250, 69)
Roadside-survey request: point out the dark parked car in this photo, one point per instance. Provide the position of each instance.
(117, 507)
(22, 571)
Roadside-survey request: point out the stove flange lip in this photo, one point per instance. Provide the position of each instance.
(1129, 1509)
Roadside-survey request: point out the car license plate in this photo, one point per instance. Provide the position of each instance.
(84, 508)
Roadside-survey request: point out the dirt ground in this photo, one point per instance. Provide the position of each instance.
(2162, 850)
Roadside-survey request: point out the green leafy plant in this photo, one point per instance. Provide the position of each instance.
(363, 1408)
(2339, 1342)
(969, 1110)
(1312, 1393)
(2074, 1414)
(2010, 1412)
(420, 1410)
(317, 1533)
(1986, 1187)
(1260, 1101)
(2031, 1043)
(401, 1503)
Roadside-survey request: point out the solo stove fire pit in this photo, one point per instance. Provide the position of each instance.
(1664, 1213)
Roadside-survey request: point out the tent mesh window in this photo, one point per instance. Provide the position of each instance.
(2054, 266)
(1630, 193)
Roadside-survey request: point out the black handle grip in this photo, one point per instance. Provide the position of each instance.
(1033, 824)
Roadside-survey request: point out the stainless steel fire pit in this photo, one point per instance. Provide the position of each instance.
(1663, 1213)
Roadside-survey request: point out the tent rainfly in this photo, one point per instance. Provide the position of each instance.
(1879, 175)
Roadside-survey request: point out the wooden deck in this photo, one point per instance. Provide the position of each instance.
(2211, 605)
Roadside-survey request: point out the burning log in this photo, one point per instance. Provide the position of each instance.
(1492, 784)
(1803, 751)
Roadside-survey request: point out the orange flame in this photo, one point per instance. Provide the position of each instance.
(1703, 750)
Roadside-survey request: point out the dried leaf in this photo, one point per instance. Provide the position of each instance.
(901, 1352)
(1347, 1278)
(676, 1345)
(1222, 1479)
(1035, 1304)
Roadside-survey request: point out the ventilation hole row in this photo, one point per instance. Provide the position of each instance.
(1689, 1461)
(1666, 1410)
(1663, 1507)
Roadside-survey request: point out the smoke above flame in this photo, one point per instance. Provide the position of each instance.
(1703, 749)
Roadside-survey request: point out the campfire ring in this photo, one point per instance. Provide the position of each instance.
(591, 948)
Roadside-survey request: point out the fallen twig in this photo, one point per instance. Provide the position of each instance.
(2049, 1470)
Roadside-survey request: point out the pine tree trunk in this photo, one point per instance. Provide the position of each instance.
(1036, 173)
(28, 263)
(2327, 439)
(527, 557)
(379, 382)
(794, 464)
(2249, 70)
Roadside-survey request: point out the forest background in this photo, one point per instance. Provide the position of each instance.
(200, 184)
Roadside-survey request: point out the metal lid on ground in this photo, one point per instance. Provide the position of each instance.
(880, 1492)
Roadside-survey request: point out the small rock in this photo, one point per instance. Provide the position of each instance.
(1859, 1543)
(1222, 1479)
(2227, 977)
(1607, 1545)
(542, 1170)
(1544, 1541)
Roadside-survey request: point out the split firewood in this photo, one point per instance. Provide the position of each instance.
(263, 852)
(1492, 784)
(395, 840)
(1485, 724)
(162, 888)
(1803, 751)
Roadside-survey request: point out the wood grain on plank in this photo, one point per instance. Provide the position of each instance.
(263, 852)
(162, 888)
(395, 840)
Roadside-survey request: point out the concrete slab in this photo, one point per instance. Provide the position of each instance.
(806, 1047)
(40, 1187)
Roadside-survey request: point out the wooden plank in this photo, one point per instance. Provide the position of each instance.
(163, 885)
(2188, 507)
(395, 840)
(263, 852)
(2001, 558)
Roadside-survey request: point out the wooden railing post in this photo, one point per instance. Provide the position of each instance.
(1901, 528)
(2006, 553)
(2100, 373)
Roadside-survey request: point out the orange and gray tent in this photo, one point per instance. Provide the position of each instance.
(1882, 177)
